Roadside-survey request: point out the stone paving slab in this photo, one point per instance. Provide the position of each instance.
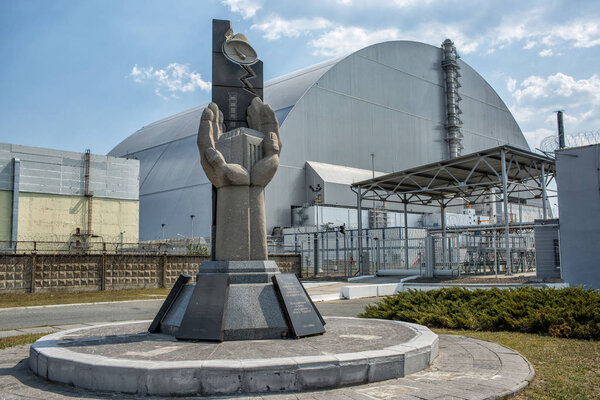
(344, 335)
(440, 381)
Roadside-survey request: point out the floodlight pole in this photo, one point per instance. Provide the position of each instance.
(506, 222)
(405, 231)
(359, 211)
(544, 198)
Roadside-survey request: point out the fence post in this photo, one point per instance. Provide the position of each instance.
(103, 268)
(163, 267)
(33, 268)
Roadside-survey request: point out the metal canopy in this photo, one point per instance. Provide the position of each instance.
(468, 177)
(505, 169)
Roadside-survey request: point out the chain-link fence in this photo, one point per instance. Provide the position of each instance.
(335, 254)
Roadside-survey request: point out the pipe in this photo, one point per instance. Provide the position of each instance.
(561, 130)
(14, 229)
(453, 122)
(506, 222)
(359, 211)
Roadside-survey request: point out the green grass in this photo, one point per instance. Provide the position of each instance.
(38, 299)
(12, 341)
(569, 313)
(565, 369)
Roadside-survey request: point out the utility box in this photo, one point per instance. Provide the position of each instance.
(547, 249)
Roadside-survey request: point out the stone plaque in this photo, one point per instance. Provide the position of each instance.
(166, 306)
(204, 316)
(301, 314)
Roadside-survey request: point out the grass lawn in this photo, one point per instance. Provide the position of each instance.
(566, 369)
(39, 299)
(19, 340)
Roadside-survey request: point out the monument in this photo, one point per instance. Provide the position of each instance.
(239, 294)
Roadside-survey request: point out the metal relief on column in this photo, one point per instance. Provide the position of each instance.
(237, 75)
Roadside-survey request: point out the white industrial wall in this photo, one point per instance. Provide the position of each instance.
(578, 181)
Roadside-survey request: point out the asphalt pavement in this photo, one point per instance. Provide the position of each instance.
(27, 317)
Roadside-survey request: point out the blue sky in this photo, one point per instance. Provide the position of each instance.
(86, 74)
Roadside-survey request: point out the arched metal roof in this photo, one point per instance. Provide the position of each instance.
(386, 99)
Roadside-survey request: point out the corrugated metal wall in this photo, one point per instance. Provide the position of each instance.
(62, 172)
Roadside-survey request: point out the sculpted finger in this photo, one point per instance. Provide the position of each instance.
(205, 131)
(264, 170)
(220, 123)
(237, 175)
(253, 114)
(216, 125)
(271, 144)
(215, 158)
(268, 119)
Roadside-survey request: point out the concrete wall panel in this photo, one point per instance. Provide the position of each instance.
(5, 216)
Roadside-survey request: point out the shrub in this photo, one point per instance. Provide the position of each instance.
(569, 313)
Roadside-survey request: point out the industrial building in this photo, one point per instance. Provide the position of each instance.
(60, 200)
(578, 181)
(384, 108)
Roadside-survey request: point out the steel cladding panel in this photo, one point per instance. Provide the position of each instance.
(178, 166)
(160, 132)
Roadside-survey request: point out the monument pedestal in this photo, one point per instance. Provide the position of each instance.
(250, 307)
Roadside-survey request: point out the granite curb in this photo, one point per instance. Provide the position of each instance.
(220, 377)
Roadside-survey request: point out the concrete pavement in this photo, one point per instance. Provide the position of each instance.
(466, 369)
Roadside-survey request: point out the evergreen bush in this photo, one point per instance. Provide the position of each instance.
(569, 313)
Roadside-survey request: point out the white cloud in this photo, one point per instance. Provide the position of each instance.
(411, 3)
(175, 78)
(342, 40)
(560, 86)
(247, 8)
(536, 100)
(511, 84)
(535, 137)
(582, 33)
(545, 53)
(534, 29)
(276, 27)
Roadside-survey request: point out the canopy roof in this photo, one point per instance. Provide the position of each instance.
(468, 177)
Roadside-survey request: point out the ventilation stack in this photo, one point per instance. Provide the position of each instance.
(453, 122)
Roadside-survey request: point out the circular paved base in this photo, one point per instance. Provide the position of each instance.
(466, 368)
(123, 357)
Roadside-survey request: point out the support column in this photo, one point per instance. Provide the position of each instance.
(443, 221)
(359, 211)
(406, 233)
(506, 222)
(544, 196)
(14, 224)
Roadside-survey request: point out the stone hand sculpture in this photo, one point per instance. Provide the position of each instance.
(241, 227)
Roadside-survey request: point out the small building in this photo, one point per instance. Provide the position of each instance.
(63, 200)
(578, 181)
